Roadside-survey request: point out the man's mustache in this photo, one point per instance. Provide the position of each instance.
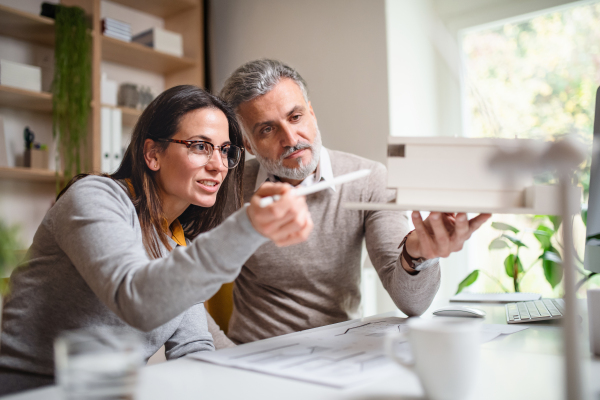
(298, 146)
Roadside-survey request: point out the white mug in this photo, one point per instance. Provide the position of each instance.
(445, 355)
(593, 299)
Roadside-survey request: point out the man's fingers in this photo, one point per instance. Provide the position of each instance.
(425, 241)
(476, 222)
(461, 227)
(442, 238)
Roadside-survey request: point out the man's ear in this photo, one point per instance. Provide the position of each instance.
(150, 155)
(247, 145)
(310, 109)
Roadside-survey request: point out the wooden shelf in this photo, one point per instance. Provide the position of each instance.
(160, 8)
(26, 99)
(28, 174)
(130, 115)
(25, 26)
(142, 57)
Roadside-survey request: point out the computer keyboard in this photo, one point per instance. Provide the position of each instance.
(531, 311)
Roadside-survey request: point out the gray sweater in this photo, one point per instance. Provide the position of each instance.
(315, 283)
(87, 267)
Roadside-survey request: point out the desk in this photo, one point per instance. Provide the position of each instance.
(525, 365)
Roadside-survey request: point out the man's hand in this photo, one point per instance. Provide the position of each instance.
(286, 221)
(441, 233)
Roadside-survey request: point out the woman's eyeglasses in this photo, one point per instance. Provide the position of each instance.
(200, 152)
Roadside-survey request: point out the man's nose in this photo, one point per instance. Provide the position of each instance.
(288, 138)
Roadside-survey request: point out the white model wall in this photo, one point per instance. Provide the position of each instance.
(338, 46)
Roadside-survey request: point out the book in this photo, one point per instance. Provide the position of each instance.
(3, 146)
(494, 297)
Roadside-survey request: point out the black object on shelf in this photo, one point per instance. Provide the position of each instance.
(49, 10)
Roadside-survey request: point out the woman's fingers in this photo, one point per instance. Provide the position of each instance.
(285, 221)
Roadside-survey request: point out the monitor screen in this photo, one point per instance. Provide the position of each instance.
(592, 245)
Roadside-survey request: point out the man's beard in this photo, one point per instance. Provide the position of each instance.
(276, 167)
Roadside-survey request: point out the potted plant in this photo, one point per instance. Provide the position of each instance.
(9, 245)
(549, 256)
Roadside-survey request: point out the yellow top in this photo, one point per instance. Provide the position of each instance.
(177, 233)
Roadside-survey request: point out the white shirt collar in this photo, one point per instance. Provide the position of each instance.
(324, 172)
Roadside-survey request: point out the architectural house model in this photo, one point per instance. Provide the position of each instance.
(459, 175)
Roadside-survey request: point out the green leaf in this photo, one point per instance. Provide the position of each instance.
(591, 237)
(468, 281)
(501, 226)
(514, 240)
(553, 269)
(497, 244)
(543, 234)
(584, 216)
(556, 220)
(509, 263)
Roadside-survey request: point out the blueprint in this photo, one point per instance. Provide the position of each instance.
(340, 355)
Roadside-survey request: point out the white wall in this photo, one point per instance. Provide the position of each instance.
(338, 46)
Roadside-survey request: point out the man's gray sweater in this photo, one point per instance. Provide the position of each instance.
(87, 267)
(315, 283)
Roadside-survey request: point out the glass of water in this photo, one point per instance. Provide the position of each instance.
(98, 364)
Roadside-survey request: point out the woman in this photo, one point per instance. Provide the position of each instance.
(101, 255)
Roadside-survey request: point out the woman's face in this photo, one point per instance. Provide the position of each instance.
(183, 182)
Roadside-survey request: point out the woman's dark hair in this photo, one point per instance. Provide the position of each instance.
(160, 120)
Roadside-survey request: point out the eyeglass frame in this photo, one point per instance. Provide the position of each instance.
(189, 143)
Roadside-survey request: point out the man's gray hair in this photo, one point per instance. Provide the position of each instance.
(256, 78)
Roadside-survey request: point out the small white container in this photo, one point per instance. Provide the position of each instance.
(161, 40)
(20, 76)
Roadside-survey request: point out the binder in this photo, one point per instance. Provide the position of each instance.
(116, 137)
(111, 131)
(105, 139)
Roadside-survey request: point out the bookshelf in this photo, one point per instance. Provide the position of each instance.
(25, 26)
(181, 16)
(28, 174)
(25, 99)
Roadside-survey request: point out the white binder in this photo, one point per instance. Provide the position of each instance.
(111, 120)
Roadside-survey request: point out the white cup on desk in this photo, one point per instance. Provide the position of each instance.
(593, 299)
(445, 354)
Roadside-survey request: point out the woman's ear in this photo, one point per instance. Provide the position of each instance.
(150, 155)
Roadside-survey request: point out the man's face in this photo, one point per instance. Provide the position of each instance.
(283, 131)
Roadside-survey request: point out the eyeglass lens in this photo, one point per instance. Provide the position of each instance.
(200, 154)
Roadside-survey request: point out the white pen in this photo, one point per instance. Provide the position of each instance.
(303, 191)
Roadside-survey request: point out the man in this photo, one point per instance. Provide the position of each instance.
(283, 290)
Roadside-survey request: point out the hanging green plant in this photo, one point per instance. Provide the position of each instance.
(71, 89)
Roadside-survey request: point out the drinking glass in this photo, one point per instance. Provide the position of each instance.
(98, 364)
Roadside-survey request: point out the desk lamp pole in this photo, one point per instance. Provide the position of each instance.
(562, 156)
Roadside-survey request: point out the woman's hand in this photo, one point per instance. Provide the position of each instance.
(286, 221)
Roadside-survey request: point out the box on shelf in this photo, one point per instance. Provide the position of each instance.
(108, 91)
(161, 40)
(20, 76)
(36, 158)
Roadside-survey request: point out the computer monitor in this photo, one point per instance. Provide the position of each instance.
(592, 245)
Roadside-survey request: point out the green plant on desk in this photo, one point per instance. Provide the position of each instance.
(549, 258)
